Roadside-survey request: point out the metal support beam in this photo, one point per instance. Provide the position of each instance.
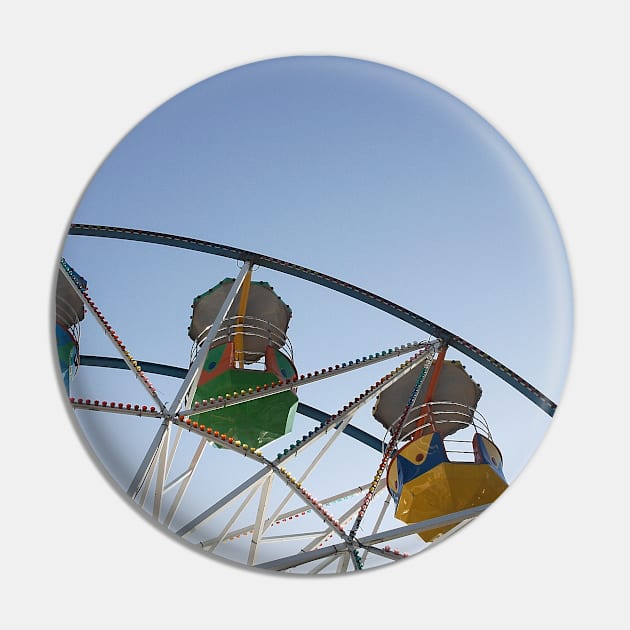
(222, 503)
(143, 469)
(290, 562)
(415, 528)
(260, 515)
(185, 481)
(89, 305)
(302, 558)
(161, 474)
(210, 545)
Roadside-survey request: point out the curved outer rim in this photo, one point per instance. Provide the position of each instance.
(465, 347)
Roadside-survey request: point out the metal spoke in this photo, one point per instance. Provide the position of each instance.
(415, 528)
(379, 520)
(344, 563)
(88, 303)
(255, 479)
(322, 565)
(147, 483)
(211, 545)
(143, 469)
(264, 499)
(344, 517)
(289, 537)
(171, 455)
(315, 377)
(186, 479)
(296, 560)
(161, 474)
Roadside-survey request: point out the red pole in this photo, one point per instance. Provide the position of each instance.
(432, 385)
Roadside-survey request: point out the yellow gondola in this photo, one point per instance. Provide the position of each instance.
(432, 474)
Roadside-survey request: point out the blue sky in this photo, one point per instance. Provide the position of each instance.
(354, 169)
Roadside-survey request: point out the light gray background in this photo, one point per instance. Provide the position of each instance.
(550, 78)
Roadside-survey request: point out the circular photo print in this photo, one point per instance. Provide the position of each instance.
(313, 315)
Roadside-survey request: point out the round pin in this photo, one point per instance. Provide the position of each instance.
(313, 315)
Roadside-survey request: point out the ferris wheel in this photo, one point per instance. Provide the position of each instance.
(240, 467)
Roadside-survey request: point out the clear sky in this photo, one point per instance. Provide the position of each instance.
(356, 170)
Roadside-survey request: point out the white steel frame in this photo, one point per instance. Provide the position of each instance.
(349, 551)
